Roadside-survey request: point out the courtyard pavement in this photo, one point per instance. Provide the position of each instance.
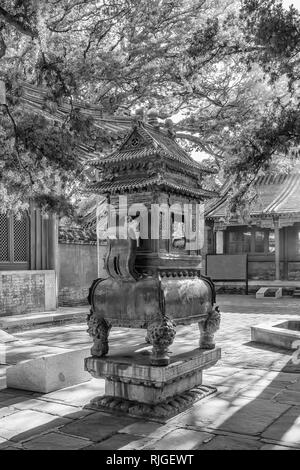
(257, 405)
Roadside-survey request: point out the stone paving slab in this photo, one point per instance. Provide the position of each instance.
(56, 441)
(78, 395)
(136, 445)
(294, 386)
(97, 426)
(180, 439)
(290, 397)
(286, 428)
(274, 442)
(11, 401)
(276, 447)
(12, 392)
(270, 393)
(63, 336)
(49, 407)
(56, 409)
(28, 423)
(141, 428)
(209, 413)
(230, 443)
(6, 411)
(9, 447)
(254, 417)
(117, 441)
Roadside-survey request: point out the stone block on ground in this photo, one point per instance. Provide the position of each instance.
(261, 292)
(279, 334)
(48, 373)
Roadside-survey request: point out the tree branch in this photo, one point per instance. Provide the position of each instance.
(10, 19)
(2, 46)
(206, 148)
(21, 165)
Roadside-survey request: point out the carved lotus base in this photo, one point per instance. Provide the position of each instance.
(163, 410)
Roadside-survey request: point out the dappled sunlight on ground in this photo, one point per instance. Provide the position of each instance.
(257, 405)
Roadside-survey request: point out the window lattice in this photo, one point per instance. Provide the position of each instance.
(20, 240)
(4, 238)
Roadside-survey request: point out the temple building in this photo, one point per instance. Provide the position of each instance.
(265, 249)
(44, 262)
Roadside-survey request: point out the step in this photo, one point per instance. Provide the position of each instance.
(35, 320)
(264, 292)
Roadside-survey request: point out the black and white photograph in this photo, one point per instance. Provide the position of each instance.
(150, 228)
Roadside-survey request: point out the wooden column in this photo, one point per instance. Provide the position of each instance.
(219, 242)
(32, 238)
(52, 242)
(38, 240)
(285, 254)
(277, 249)
(44, 240)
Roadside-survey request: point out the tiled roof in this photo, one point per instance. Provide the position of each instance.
(127, 155)
(140, 182)
(34, 98)
(157, 142)
(276, 194)
(77, 234)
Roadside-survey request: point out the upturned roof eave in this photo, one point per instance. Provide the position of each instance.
(115, 187)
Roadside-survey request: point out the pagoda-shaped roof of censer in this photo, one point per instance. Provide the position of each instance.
(149, 158)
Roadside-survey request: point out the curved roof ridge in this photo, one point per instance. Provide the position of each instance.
(293, 190)
(155, 133)
(284, 193)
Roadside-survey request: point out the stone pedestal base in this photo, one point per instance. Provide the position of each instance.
(162, 410)
(134, 386)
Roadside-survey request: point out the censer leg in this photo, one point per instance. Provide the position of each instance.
(98, 329)
(208, 329)
(161, 336)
